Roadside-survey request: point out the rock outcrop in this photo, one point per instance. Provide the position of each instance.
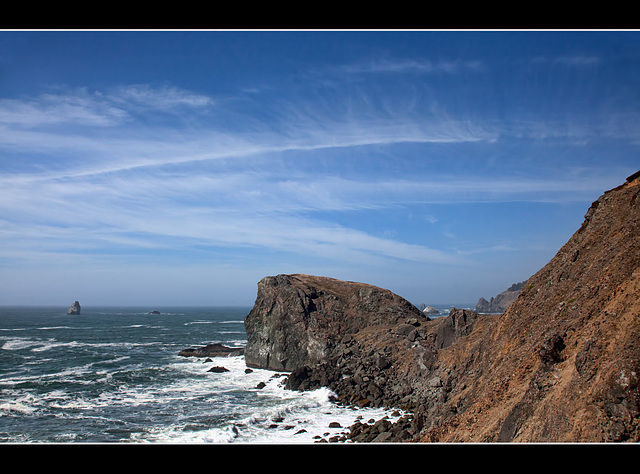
(501, 302)
(211, 350)
(299, 320)
(74, 308)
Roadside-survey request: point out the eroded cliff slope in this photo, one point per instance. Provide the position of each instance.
(563, 362)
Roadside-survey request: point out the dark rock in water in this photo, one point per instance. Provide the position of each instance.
(155, 311)
(218, 369)
(299, 320)
(74, 308)
(212, 350)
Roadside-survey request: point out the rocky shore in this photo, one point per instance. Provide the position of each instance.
(562, 363)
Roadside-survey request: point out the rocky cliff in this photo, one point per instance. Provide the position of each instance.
(562, 363)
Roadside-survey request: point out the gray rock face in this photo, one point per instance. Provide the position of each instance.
(501, 302)
(299, 320)
(74, 308)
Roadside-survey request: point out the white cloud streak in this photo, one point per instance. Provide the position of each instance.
(93, 190)
(424, 66)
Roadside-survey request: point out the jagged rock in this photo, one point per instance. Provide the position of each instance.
(299, 320)
(501, 302)
(430, 310)
(211, 350)
(74, 308)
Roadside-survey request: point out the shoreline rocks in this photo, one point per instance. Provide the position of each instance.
(561, 364)
(212, 350)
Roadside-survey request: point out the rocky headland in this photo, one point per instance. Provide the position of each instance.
(561, 364)
(302, 320)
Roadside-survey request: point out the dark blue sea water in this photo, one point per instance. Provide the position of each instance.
(113, 375)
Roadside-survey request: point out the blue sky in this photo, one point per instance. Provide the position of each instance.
(180, 167)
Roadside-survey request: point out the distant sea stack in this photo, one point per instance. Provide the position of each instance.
(74, 308)
(430, 310)
(299, 320)
(500, 303)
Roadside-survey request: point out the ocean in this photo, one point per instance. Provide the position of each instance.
(113, 375)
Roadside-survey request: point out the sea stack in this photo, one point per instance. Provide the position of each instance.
(74, 308)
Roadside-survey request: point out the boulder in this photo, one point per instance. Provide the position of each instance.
(218, 369)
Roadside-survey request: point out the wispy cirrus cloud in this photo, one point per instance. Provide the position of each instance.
(577, 60)
(97, 108)
(162, 98)
(47, 109)
(421, 66)
(101, 131)
(128, 185)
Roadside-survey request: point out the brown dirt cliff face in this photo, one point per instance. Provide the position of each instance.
(563, 362)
